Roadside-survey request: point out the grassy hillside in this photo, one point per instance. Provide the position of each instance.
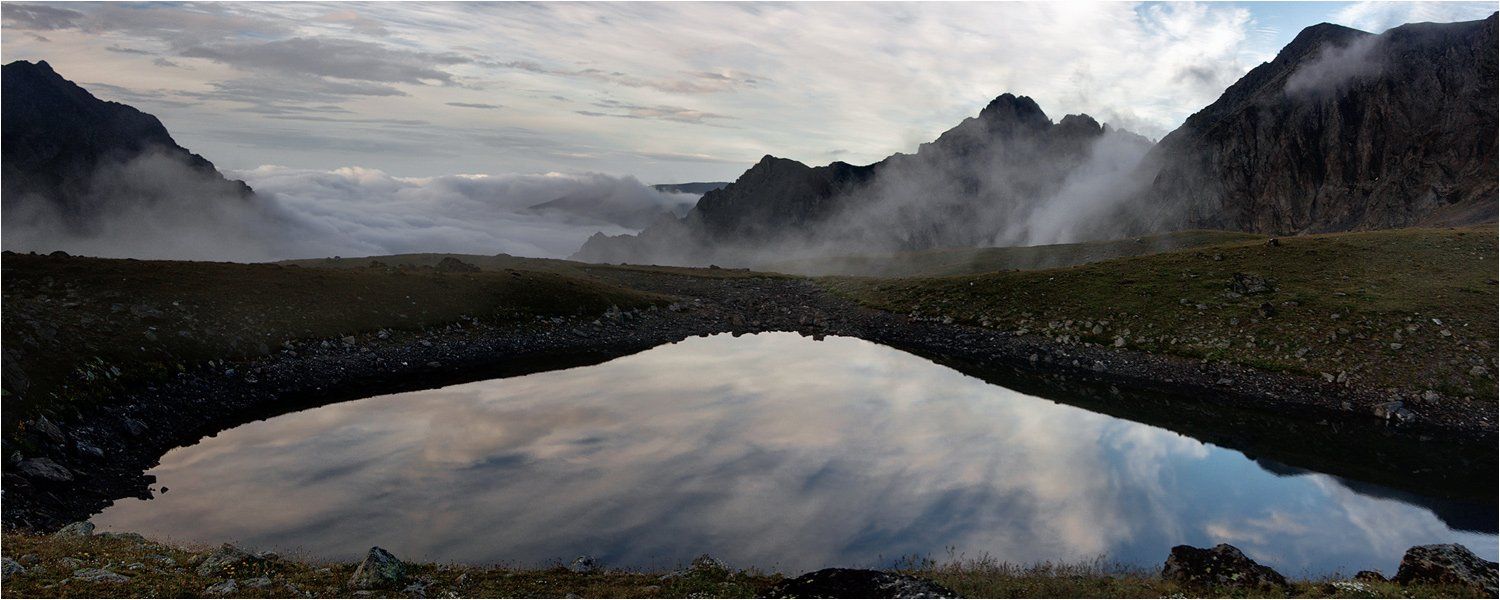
(1411, 310)
(74, 324)
(966, 261)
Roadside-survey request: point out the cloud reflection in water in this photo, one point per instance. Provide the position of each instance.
(769, 450)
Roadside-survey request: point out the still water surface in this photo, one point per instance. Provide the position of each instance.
(771, 450)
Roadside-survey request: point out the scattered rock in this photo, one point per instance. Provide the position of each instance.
(1447, 564)
(99, 576)
(9, 567)
(133, 427)
(90, 451)
(258, 583)
(50, 432)
(44, 469)
(1222, 566)
(380, 570)
(857, 583)
(222, 588)
(1387, 410)
(1246, 284)
(78, 529)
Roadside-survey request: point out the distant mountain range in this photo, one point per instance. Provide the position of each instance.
(700, 187)
(1343, 130)
(629, 210)
(59, 146)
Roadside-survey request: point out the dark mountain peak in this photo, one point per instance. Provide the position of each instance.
(1327, 136)
(1314, 37)
(56, 136)
(1080, 123)
(1012, 110)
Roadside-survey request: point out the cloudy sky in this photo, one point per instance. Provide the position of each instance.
(664, 92)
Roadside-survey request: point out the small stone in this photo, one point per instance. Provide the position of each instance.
(1387, 410)
(222, 588)
(1370, 576)
(9, 568)
(225, 559)
(379, 570)
(258, 583)
(1431, 396)
(584, 564)
(708, 563)
(99, 576)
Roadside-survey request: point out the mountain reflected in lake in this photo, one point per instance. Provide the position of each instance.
(771, 450)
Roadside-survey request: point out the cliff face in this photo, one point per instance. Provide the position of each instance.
(1344, 130)
(57, 138)
(968, 187)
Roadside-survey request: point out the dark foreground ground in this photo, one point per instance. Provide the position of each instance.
(110, 565)
(110, 363)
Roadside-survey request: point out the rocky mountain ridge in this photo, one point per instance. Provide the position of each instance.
(58, 140)
(1343, 130)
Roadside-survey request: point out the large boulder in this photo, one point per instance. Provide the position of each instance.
(1220, 567)
(857, 583)
(76, 529)
(1447, 564)
(380, 571)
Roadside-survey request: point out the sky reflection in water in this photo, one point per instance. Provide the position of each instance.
(770, 450)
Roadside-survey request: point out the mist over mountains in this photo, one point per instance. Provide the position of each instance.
(101, 178)
(1343, 130)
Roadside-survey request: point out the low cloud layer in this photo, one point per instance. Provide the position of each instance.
(1335, 68)
(157, 207)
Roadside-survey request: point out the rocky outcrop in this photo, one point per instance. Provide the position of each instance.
(1220, 567)
(379, 571)
(1343, 130)
(1447, 564)
(56, 139)
(857, 583)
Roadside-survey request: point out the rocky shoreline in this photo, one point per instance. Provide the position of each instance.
(72, 470)
(75, 562)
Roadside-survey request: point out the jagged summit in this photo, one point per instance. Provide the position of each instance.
(56, 136)
(1343, 130)
(1010, 108)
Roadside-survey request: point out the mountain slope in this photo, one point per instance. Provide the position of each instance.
(983, 182)
(1344, 130)
(62, 148)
